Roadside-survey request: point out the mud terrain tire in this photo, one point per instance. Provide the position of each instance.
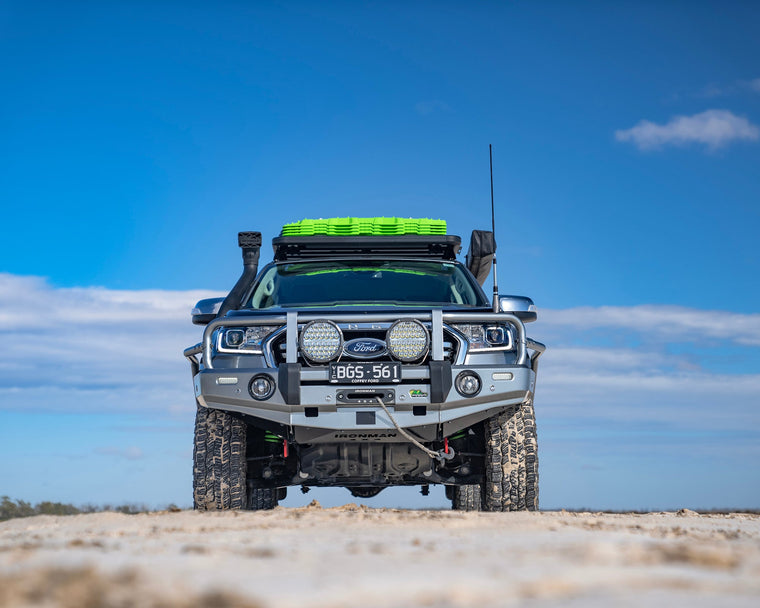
(511, 482)
(219, 461)
(466, 498)
(262, 499)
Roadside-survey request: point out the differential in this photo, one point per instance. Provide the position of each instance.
(365, 492)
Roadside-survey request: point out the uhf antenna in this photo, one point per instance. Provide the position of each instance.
(493, 231)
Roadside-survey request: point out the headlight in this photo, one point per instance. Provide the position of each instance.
(245, 339)
(321, 341)
(486, 336)
(407, 340)
(233, 338)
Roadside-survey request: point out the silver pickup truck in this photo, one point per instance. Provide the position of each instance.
(365, 355)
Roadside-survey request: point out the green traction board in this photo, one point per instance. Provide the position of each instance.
(364, 226)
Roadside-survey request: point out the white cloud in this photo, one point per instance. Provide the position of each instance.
(613, 386)
(616, 385)
(713, 128)
(94, 349)
(755, 85)
(110, 351)
(661, 323)
(30, 302)
(667, 365)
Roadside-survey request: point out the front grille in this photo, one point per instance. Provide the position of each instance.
(450, 345)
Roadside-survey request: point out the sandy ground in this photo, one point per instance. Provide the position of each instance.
(356, 556)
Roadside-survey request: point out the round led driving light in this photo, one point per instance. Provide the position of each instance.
(261, 387)
(407, 340)
(321, 341)
(468, 384)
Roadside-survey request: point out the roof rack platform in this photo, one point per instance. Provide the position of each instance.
(440, 247)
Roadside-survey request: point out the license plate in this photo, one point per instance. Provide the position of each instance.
(365, 373)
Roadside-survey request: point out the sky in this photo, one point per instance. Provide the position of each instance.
(138, 138)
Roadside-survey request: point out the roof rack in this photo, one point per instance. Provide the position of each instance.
(440, 247)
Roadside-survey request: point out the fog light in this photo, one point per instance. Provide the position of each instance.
(261, 387)
(468, 384)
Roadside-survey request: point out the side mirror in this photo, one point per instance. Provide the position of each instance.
(206, 311)
(520, 306)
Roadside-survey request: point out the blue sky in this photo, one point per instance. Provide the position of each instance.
(139, 138)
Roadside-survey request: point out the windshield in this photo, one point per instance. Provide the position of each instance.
(393, 282)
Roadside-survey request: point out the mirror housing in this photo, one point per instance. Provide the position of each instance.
(520, 306)
(206, 311)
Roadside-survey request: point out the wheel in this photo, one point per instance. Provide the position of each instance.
(511, 481)
(466, 498)
(219, 461)
(262, 499)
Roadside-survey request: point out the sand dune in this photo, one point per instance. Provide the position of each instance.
(355, 556)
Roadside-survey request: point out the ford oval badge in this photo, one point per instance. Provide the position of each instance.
(364, 348)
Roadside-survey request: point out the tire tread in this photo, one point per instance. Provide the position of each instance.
(219, 463)
(466, 498)
(511, 479)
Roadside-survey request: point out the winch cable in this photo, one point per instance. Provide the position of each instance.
(440, 456)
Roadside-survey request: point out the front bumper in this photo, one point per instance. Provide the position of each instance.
(320, 412)
(424, 402)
